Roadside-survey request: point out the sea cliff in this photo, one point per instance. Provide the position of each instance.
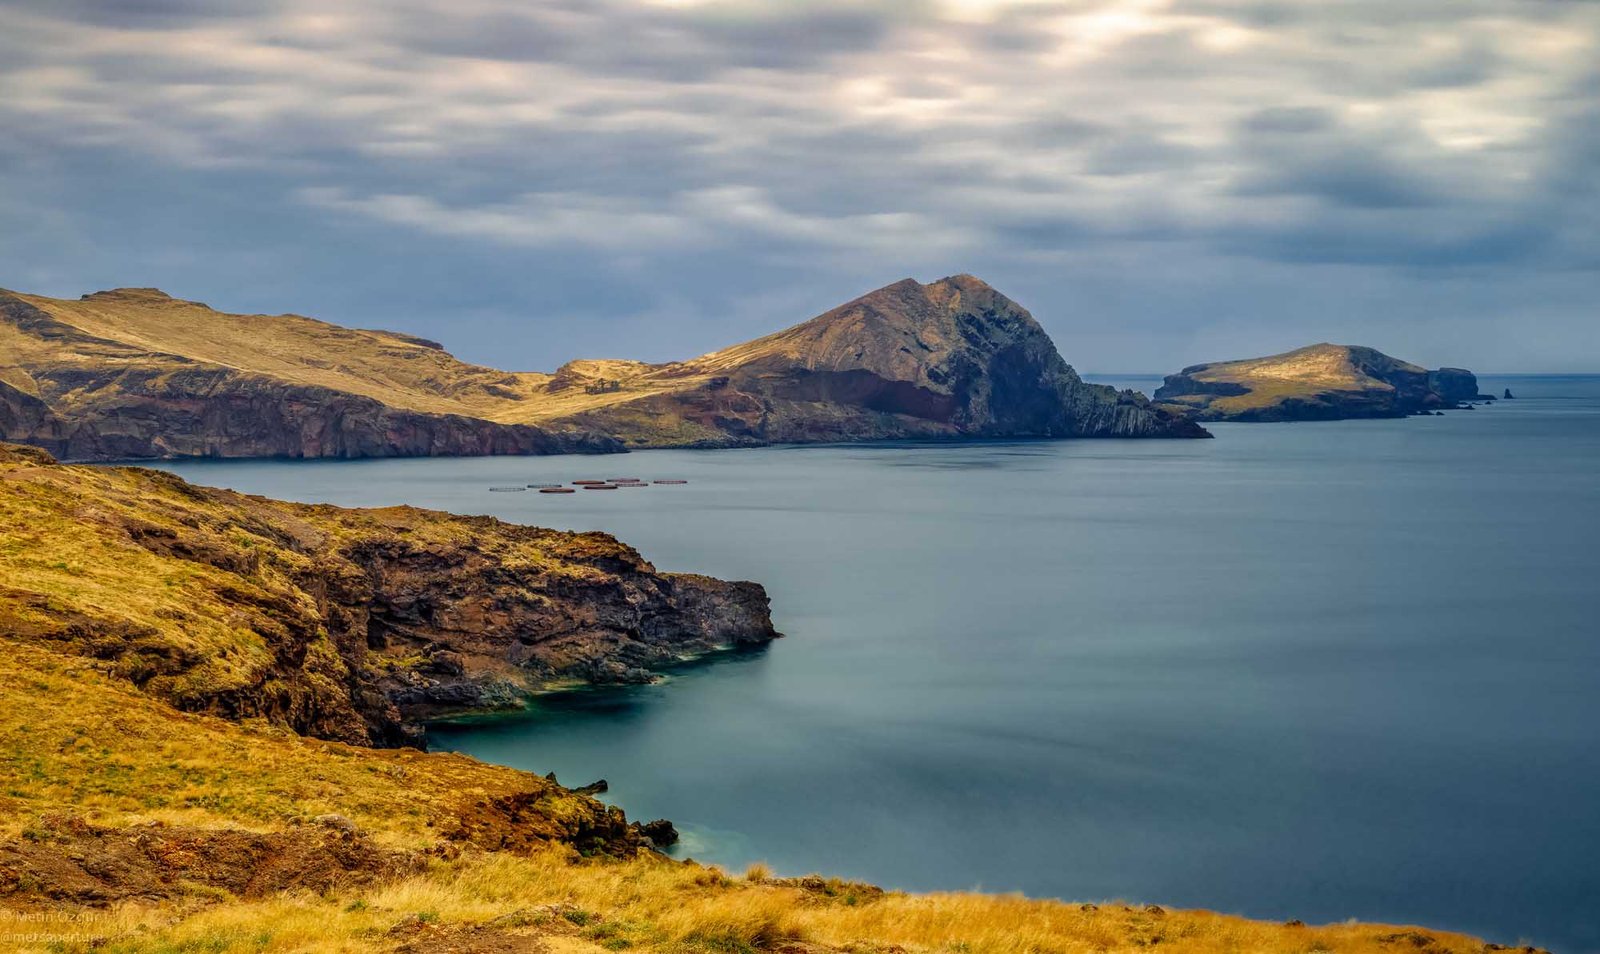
(349, 625)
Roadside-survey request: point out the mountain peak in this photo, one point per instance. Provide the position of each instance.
(965, 280)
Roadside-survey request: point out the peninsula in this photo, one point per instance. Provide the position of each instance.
(209, 741)
(136, 374)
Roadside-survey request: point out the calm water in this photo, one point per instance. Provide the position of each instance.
(1319, 671)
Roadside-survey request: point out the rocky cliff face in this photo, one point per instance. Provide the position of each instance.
(135, 373)
(1319, 382)
(954, 358)
(342, 624)
(1455, 385)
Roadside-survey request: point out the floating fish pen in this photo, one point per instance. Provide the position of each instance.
(556, 490)
(599, 486)
(507, 490)
(624, 480)
(543, 486)
(586, 483)
(672, 481)
(634, 483)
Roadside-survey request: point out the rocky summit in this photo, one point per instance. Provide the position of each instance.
(1321, 382)
(134, 373)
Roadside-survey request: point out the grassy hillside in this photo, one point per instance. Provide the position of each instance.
(344, 624)
(396, 369)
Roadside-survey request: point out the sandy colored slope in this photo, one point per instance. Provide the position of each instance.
(397, 369)
(1310, 370)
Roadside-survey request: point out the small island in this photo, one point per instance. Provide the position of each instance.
(1320, 382)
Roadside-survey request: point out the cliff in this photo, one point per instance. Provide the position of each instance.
(1320, 382)
(340, 624)
(135, 373)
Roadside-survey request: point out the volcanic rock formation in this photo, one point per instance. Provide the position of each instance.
(1321, 382)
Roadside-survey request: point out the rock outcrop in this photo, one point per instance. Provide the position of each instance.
(1322, 382)
(350, 625)
(134, 373)
(85, 864)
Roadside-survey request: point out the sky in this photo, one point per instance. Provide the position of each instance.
(1161, 182)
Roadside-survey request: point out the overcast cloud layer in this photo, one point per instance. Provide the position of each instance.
(1160, 182)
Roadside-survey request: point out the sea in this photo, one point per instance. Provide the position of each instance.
(1319, 670)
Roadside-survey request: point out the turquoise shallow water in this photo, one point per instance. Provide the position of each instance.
(1328, 670)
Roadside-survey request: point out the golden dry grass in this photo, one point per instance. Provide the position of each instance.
(148, 328)
(658, 906)
(1303, 373)
(73, 740)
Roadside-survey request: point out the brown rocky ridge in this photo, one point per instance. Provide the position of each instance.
(1320, 382)
(134, 373)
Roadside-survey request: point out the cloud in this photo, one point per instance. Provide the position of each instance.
(815, 145)
(536, 220)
